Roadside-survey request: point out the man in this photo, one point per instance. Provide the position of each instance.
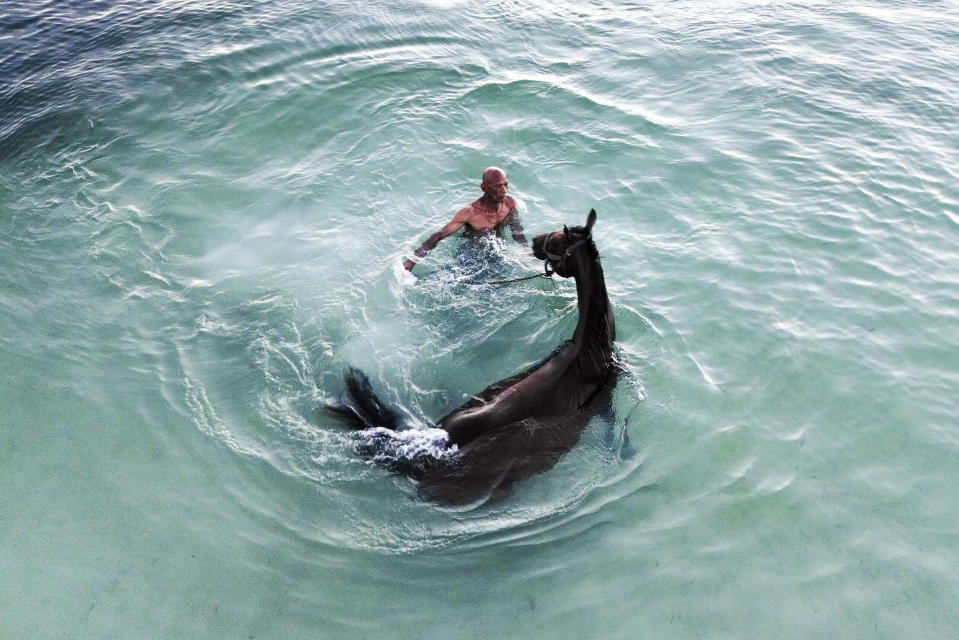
(493, 211)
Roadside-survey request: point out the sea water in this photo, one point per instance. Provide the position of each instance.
(202, 208)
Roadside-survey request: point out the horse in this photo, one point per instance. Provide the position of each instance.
(522, 425)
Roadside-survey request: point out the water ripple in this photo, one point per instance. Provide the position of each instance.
(202, 207)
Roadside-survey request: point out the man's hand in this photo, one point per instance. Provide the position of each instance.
(408, 265)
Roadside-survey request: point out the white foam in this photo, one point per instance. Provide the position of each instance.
(404, 277)
(411, 445)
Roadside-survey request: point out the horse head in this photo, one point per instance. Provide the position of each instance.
(558, 247)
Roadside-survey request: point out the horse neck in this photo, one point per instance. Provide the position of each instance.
(595, 330)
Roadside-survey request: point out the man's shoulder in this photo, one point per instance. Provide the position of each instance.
(475, 205)
(466, 212)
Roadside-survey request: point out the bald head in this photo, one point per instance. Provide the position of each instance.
(494, 184)
(494, 175)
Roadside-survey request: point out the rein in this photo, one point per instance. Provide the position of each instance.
(547, 271)
(546, 274)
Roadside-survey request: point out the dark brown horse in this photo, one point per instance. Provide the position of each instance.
(519, 426)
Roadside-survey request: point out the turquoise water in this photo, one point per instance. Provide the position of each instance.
(201, 208)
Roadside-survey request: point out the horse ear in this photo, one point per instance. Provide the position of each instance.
(590, 219)
(566, 232)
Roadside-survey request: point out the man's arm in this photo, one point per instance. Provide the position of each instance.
(449, 229)
(516, 228)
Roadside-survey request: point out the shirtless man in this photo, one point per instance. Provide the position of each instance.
(489, 214)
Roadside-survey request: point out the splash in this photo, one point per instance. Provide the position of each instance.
(409, 449)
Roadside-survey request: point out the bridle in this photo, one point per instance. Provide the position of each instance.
(555, 260)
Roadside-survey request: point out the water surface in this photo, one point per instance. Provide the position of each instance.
(201, 209)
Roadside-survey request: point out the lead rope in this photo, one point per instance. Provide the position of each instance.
(546, 274)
